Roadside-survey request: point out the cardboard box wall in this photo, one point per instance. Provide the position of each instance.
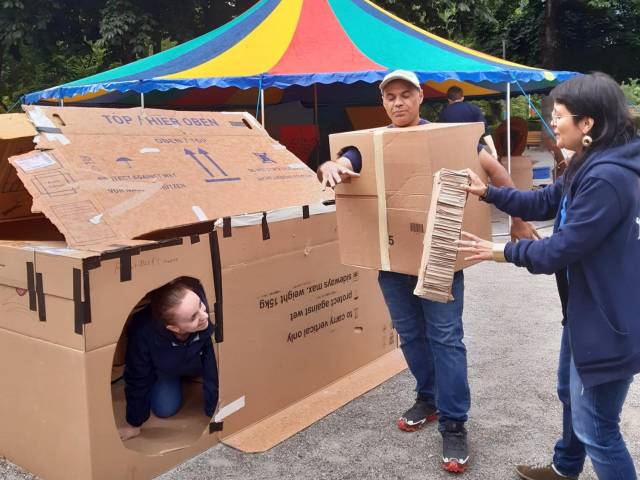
(521, 171)
(382, 213)
(62, 311)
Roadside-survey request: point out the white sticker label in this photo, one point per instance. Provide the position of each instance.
(228, 409)
(199, 213)
(297, 166)
(149, 150)
(53, 250)
(35, 162)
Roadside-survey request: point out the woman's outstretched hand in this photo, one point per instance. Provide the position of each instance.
(477, 186)
(478, 248)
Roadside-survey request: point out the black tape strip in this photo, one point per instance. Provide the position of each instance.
(162, 243)
(195, 238)
(215, 427)
(87, 297)
(91, 263)
(226, 227)
(42, 311)
(78, 307)
(82, 310)
(329, 202)
(121, 251)
(48, 130)
(31, 286)
(216, 266)
(125, 268)
(305, 211)
(265, 227)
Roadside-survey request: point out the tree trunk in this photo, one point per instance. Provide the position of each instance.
(550, 44)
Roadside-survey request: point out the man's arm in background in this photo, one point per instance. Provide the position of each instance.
(500, 178)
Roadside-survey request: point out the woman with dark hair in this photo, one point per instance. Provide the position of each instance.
(168, 340)
(595, 253)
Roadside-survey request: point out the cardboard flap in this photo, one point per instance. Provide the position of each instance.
(104, 175)
(16, 136)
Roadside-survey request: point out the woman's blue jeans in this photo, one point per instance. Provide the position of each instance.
(591, 423)
(166, 396)
(431, 340)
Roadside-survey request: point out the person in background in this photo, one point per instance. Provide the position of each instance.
(459, 111)
(595, 254)
(168, 340)
(431, 333)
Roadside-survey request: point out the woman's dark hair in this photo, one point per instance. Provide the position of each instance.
(598, 96)
(167, 297)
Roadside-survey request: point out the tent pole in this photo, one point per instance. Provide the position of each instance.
(509, 136)
(315, 119)
(262, 106)
(141, 100)
(504, 56)
(62, 102)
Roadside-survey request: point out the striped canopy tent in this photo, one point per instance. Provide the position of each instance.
(279, 48)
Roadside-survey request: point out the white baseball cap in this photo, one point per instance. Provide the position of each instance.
(405, 75)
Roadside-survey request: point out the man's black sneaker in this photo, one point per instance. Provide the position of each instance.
(455, 453)
(422, 412)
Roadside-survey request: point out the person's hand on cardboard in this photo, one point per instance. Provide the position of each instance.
(480, 249)
(332, 173)
(523, 230)
(519, 228)
(128, 432)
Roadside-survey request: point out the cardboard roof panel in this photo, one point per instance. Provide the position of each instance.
(102, 180)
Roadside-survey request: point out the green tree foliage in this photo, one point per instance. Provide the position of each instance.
(49, 42)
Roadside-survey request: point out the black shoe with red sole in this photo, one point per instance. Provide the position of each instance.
(421, 413)
(455, 453)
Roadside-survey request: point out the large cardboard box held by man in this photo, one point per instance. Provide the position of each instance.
(121, 202)
(382, 213)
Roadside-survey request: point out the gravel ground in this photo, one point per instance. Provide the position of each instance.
(512, 324)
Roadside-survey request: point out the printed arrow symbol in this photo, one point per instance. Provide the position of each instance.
(206, 155)
(195, 157)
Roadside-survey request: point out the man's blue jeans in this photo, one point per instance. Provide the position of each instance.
(166, 396)
(592, 426)
(431, 336)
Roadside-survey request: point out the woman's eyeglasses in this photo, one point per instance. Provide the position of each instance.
(555, 117)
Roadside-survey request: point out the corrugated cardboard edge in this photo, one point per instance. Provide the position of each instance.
(383, 228)
(268, 433)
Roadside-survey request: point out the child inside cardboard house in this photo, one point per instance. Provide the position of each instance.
(169, 340)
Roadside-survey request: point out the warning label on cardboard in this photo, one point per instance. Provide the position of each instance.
(315, 306)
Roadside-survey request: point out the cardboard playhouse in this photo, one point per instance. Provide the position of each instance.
(112, 204)
(382, 214)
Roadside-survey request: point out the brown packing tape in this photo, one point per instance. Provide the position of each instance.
(383, 229)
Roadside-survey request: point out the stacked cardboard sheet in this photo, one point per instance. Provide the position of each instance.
(444, 224)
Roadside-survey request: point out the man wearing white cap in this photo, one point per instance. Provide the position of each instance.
(431, 333)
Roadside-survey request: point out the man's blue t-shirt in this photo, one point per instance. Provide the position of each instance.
(462, 112)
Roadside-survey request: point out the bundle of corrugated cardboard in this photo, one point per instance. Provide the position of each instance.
(444, 223)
